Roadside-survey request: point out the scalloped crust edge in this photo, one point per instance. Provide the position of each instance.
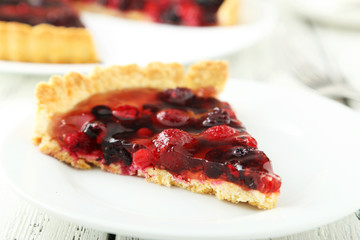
(45, 43)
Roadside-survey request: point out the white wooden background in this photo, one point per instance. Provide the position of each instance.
(292, 46)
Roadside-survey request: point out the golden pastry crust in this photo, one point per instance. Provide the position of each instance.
(61, 94)
(228, 13)
(45, 43)
(224, 190)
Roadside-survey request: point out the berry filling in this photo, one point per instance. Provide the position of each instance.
(190, 136)
(185, 12)
(33, 12)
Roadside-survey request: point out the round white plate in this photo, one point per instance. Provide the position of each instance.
(333, 12)
(313, 143)
(121, 41)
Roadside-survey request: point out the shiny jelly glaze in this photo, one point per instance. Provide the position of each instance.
(33, 12)
(190, 136)
(184, 12)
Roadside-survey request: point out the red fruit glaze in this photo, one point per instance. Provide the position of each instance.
(177, 130)
(184, 12)
(125, 112)
(54, 12)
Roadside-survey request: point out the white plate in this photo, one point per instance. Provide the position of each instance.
(313, 143)
(141, 43)
(334, 12)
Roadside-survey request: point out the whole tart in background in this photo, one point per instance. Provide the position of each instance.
(43, 31)
(159, 122)
(50, 31)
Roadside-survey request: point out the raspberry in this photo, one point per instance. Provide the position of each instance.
(246, 140)
(174, 137)
(172, 118)
(143, 158)
(78, 142)
(269, 183)
(219, 133)
(125, 112)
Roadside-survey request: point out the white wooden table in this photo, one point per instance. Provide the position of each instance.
(292, 43)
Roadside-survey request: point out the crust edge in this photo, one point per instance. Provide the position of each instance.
(224, 191)
(45, 43)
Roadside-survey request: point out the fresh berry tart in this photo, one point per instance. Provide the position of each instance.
(159, 123)
(50, 31)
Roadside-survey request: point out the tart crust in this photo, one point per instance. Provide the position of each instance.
(45, 43)
(61, 94)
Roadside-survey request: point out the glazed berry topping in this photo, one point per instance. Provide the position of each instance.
(114, 151)
(187, 135)
(179, 96)
(125, 112)
(209, 3)
(33, 12)
(174, 137)
(101, 112)
(94, 129)
(220, 133)
(172, 117)
(216, 117)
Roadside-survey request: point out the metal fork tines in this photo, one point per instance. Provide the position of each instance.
(333, 86)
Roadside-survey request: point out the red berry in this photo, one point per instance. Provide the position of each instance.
(219, 133)
(179, 96)
(217, 116)
(190, 14)
(125, 112)
(144, 132)
(174, 137)
(269, 183)
(143, 158)
(174, 159)
(173, 117)
(246, 140)
(78, 142)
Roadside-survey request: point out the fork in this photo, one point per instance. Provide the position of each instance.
(334, 86)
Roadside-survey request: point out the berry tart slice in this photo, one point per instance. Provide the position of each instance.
(185, 12)
(46, 31)
(159, 123)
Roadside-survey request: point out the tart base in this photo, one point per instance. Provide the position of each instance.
(224, 190)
